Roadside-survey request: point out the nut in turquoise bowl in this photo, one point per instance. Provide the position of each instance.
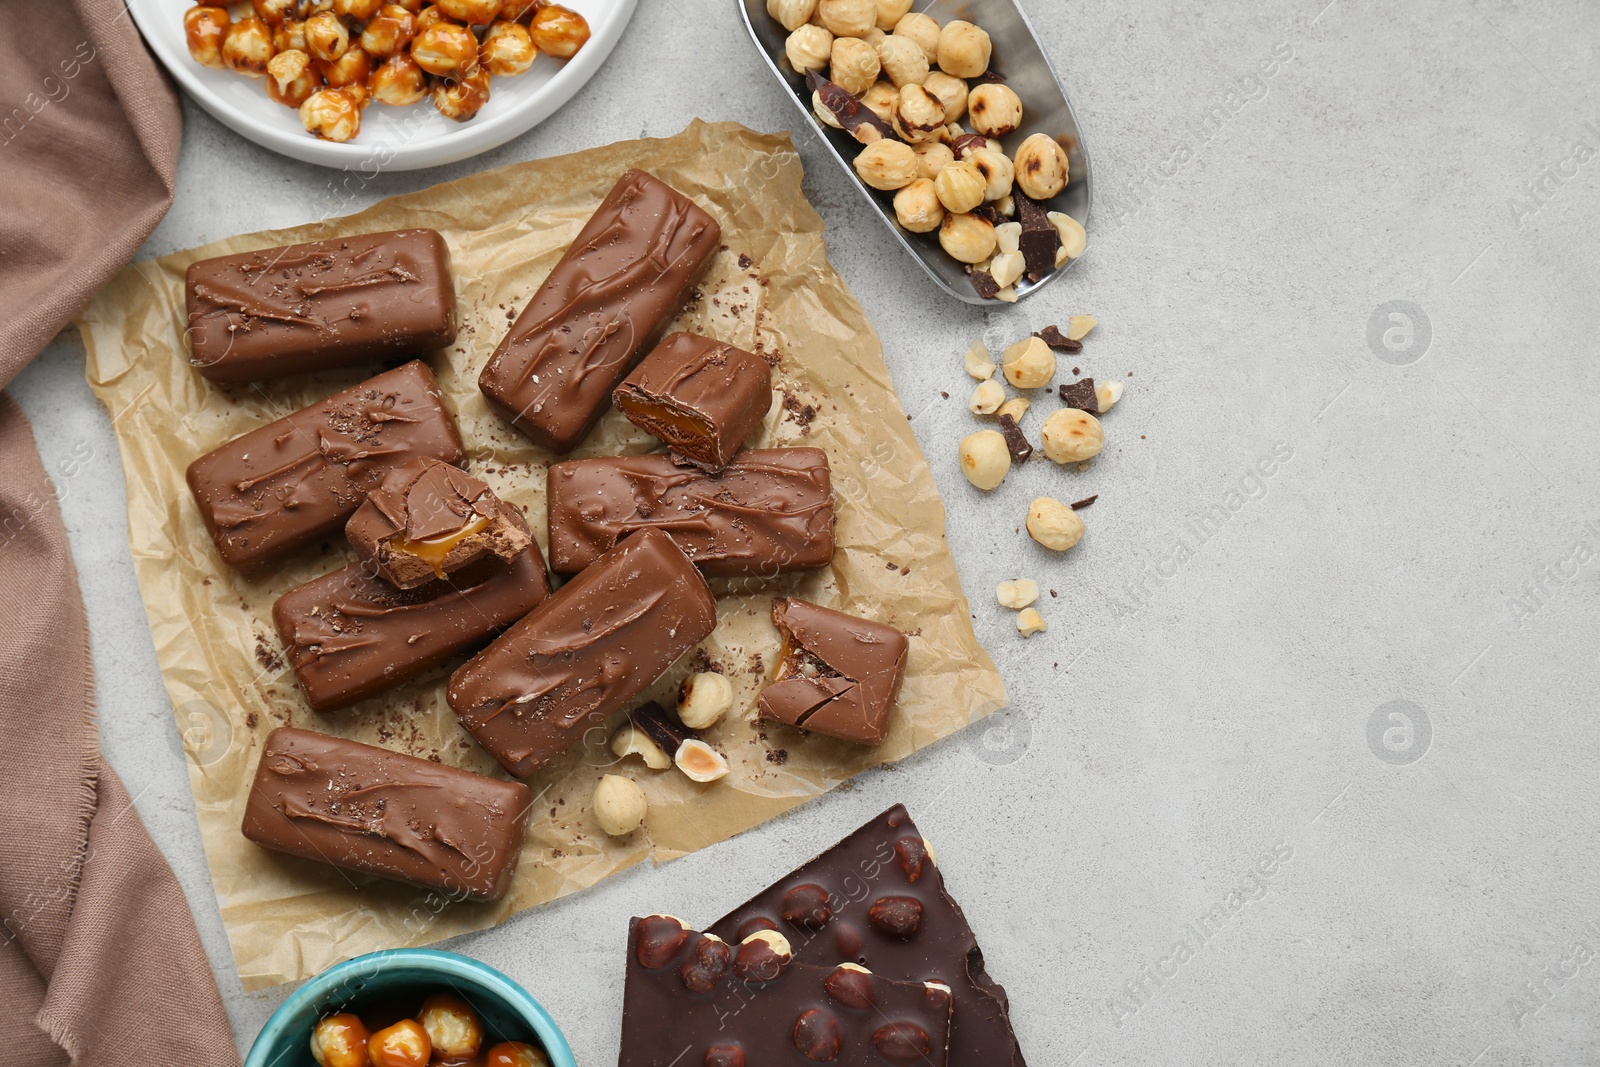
(402, 975)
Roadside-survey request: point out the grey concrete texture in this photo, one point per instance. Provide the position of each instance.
(1205, 832)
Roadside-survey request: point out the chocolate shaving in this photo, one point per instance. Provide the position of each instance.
(1052, 336)
(983, 284)
(850, 112)
(1016, 441)
(1081, 395)
(1079, 505)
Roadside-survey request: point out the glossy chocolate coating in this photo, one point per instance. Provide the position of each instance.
(281, 487)
(607, 302)
(699, 397)
(379, 812)
(429, 519)
(768, 512)
(887, 859)
(839, 675)
(681, 1008)
(339, 303)
(349, 635)
(584, 653)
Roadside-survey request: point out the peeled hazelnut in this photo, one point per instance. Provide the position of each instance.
(619, 805)
(1008, 295)
(558, 31)
(1029, 363)
(1078, 326)
(996, 169)
(632, 741)
(932, 157)
(1008, 236)
(203, 31)
(700, 762)
(340, 1041)
(923, 30)
(952, 92)
(247, 47)
(995, 109)
(902, 60)
(1073, 239)
(853, 66)
(985, 460)
(963, 49)
(792, 14)
(398, 81)
(848, 18)
(1030, 622)
(405, 1044)
(453, 1027)
(1041, 166)
(918, 116)
(1006, 267)
(917, 207)
(507, 49)
(515, 1054)
(987, 397)
(1054, 525)
(1071, 436)
(291, 79)
(471, 12)
(355, 10)
(960, 186)
(326, 36)
(809, 48)
(887, 164)
(461, 99)
(978, 363)
(820, 109)
(1106, 394)
(891, 11)
(1008, 207)
(1017, 593)
(445, 49)
(352, 68)
(967, 238)
(703, 699)
(873, 37)
(332, 114)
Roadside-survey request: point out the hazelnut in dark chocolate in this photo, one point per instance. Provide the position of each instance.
(349, 635)
(606, 303)
(285, 485)
(338, 303)
(428, 519)
(699, 397)
(378, 812)
(584, 653)
(768, 512)
(838, 674)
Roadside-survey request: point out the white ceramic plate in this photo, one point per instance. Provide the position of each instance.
(391, 138)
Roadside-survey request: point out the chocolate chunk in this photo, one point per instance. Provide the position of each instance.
(594, 645)
(366, 809)
(699, 397)
(661, 727)
(968, 142)
(339, 303)
(1081, 395)
(684, 1007)
(350, 635)
(983, 284)
(429, 519)
(839, 674)
(884, 867)
(990, 212)
(768, 512)
(605, 304)
(1079, 505)
(293, 482)
(1016, 441)
(1052, 336)
(858, 120)
(1039, 239)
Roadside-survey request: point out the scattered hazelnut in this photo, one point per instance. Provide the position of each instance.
(1006, 267)
(987, 397)
(398, 81)
(1008, 236)
(881, 100)
(853, 65)
(923, 30)
(247, 47)
(558, 31)
(1030, 622)
(332, 114)
(629, 740)
(978, 363)
(1106, 394)
(1029, 363)
(1073, 239)
(917, 207)
(462, 98)
(963, 49)
(792, 14)
(1053, 524)
(932, 157)
(445, 49)
(960, 186)
(903, 61)
(326, 37)
(918, 116)
(952, 92)
(453, 1027)
(1041, 166)
(1071, 436)
(507, 49)
(890, 12)
(203, 31)
(290, 78)
(405, 1044)
(995, 109)
(1017, 592)
(1078, 326)
(848, 18)
(340, 1041)
(967, 238)
(887, 164)
(985, 460)
(700, 762)
(619, 805)
(996, 169)
(703, 699)
(809, 48)
(1016, 407)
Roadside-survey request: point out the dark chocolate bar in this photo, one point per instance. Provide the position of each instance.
(429, 519)
(838, 674)
(605, 304)
(584, 653)
(350, 635)
(699, 397)
(768, 512)
(281, 487)
(691, 999)
(878, 899)
(338, 303)
(378, 812)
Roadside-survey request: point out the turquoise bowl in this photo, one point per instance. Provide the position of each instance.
(507, 1011)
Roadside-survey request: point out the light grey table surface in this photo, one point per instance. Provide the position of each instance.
(1224, 648)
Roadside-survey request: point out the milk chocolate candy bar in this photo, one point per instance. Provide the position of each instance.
(597, 643)
(350, 635)
(429, 519)
(768, 512)
(378, 812)
(692, 999)
(699, 397)
(838, 674)
(285, 485)
(606, 303)
(877, 899)
(339, 303)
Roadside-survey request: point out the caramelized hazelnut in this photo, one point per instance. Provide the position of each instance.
(340, 1041)
(452, 1026)
(405, 1044)
(326, 37)
(274, 12)
(291, 78)
(515, 1054)
(332, 114)
(507, 48)
(203, 31)
(290, 36)
(247, 47)
(462, 98)
(356, 10)
(471, 12)
(559, 31)
(398, 82)
(352, 68)
(446, 49)
(388, 32)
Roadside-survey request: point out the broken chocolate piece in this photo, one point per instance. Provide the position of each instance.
(983, 284)
(699, 397)
(1081, 395)
(838, 674)
(858, 120)
(662, 727)
(968, 142)
(1052, 336)
(1039, 239)
(991, 213)
(1079, 505)
(1016, 441)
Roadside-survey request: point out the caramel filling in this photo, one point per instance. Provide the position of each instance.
(671, 417)
(433, 550)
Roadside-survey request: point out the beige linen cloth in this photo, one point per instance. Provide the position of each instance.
(99, 959)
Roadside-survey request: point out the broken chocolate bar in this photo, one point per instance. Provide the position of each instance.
(338, 303)
(428, 519)
(699, 397)
(1081, 395)
(1039, 239)
(768, 512)
(287, 484)
(584, 653)
(855, 118)
(349, 635)
(838, 674)
(605, 304)
(878, 900)
(694, 1000)
(378, 812)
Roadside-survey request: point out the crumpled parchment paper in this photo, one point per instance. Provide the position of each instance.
(770, 290)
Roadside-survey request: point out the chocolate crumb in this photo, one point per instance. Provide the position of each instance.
(943, 395)
(269, 658)
(1052, 594)
(778, 756)
(983, 284)
(251, 718)
(1079, 505)
(904, 571)
(801, 412)
(893, 566)
(1076, 371)
(1052, 336)
(1081, 395)
(1016, 441)
(744, 261)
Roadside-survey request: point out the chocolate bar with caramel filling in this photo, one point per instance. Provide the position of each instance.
(768, 512)
(607, 302)
(378, 812)
(838, 675)
(699, 397)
